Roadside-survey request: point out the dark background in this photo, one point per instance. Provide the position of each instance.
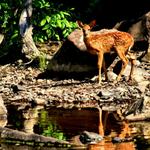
(108, 12)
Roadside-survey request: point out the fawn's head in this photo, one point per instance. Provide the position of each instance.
(86, 27)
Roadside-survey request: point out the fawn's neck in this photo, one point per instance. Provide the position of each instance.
(85, 35)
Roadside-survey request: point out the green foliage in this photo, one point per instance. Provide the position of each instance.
(9, 20)
(49, 127)
(52, 20)
(54, 132)
(42, 61)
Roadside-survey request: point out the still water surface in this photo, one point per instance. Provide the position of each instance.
(68, 123)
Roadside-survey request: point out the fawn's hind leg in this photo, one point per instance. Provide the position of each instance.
(132, 59)
(104, 69)
(124, 59)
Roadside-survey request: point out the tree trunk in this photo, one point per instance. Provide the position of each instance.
(1, 38)
(29, 47)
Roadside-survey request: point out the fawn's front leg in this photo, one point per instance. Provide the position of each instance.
(100, 62)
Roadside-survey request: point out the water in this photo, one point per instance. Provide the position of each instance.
(67, 124)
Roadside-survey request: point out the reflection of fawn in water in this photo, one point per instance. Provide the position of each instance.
(113, 121)
(109, 121)
(110, 146)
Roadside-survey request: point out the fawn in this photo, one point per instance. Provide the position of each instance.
(106, 41)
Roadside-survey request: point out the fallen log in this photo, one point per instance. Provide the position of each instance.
(19, 137)
(140, 117)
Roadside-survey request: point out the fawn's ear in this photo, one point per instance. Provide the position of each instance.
(92, 23)
(80, 24)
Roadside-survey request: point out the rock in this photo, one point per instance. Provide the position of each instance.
(139, 28)
(105, 94)
(39, 101)
(146, 58)
(111, 76)
(3, 110)
(119, 140)
(3, 113)
(140, 76)
(16, 88)
(147, 101)
(142, 85)
(90, 137)
(26, 138)
(70, 62)
(86, 138)
(76, 37)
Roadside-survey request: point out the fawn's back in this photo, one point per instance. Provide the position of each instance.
(108, 40)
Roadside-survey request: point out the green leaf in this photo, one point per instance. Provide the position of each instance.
(47, 5)
(63, 25)
(67, 24)
(48, 19)
(57, 37)
(62, 15)
(67, 14)
(72, 8)
(41, 40)
(49, 33)
(41, 4)
(42, 23)
(58, 16)
(53, 25)
(45, 38)
(59, 23)
(47, 26)
(64, 32)
(14, 35)
(60, 136)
